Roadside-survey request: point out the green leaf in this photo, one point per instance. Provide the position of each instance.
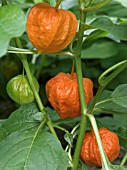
(83, 166)
(69, 138)
(123, 2)
(2, 121)
(53, 114)
(12, 24)
(122, 133)
(119, 96)
(2, 134)
(24, 118)
(30, 150)
(118, 124)
(109, 123)
(100, 50)
(116, 167)
(122, 129)
(105, 24)
(69, 4)
(107, 105)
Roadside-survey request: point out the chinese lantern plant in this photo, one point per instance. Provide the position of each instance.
(62, 93)
(19, 89)
(90, 152)
(50, 29)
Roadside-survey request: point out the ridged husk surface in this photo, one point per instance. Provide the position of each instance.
(90, 153)
(50, 29)
(62, 93)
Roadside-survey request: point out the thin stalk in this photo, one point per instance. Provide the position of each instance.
(81, 90)
(100, 146)
(20, 52)
(40, 66)
(103, 75)
(106, 81)
(37, 97)
(97, 96)
(57, 5)
(23, 51)
(124, 160)
(61, 128)
(98, 6)
(114, 74)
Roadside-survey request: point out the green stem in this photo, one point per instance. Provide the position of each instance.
(37, 97)
(104, 158)
(81, 90)
(20, 52)
(103, 75)
(97, 96)
(122, 65)
(124, 160)
(98, 6)
(40, 66)
(24, 51)
(115, 73)
(57, 5)
(61, 128)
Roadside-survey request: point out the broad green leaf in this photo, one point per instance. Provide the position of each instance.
(105, 24)
(108, 122)
(32, 150)
(69, 4)
(69, 138)
(122, 130)
(53, 114)
(100, 51)
(119, 96)
(83, 166)
(107, 105)
(116, 167)
(2, 121)
(113, 123)
(12, 24)
(118, 124)
(123, 2)
(122, 133)
(96, 34)
(38, 1)
(2, 134)
(24, 118)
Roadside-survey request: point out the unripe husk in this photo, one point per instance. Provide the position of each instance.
(19, 90)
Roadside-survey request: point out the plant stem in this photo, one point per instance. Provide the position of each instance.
(37, 97)
(40, 66)
(122, 65)
(24, 51)
(103, 75)
(81, 90)
(97, 96)
(115, 73)
(98, 6)
(124, 160)
(104, 158)
(61, 128)
(57, 5)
